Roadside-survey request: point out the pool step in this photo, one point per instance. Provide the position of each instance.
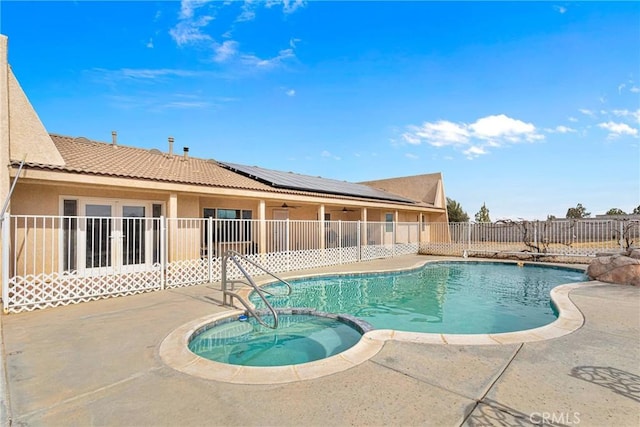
(228, 330)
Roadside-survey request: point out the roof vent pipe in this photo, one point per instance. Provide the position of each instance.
(186, 152)
(170, 145)
(114, 137)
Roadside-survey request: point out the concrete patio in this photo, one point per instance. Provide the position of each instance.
(98, 363)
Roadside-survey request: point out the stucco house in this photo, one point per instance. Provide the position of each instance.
(89, 219)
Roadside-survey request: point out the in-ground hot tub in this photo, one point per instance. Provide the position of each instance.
(307, 344)
(302, 336)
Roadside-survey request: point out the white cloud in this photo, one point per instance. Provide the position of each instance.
(587, 112)
(293, 42)
(564, 129)
(411, 156)
(288, 6)
(154, 102)
(634, 115)
(572, 119)
(634, 89)
(150, 43)
(195, 16)
(560, 9)
(618, 129)
(277, 60)
(411, 138)
(561, 129)
(186, 104)
(475, 138)
(248, 11)
(291, 92)
(327, 154)
(495, 128)
(442, 133)
(620, 87)
(225, 51)
(474, 151)
(143, 73)
(187, 7)
(188, 30)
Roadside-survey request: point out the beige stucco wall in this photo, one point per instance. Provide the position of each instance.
(35, 199)
(427, 188)
(28, 137)
(4, 120)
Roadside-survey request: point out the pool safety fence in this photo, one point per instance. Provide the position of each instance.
(49, 261)
(552, 240)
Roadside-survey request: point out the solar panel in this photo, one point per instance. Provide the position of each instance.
(294, 181)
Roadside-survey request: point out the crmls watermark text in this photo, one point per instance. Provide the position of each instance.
(566, 418)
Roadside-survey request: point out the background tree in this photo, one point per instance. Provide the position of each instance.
(578, 212)
(636, 211)
(551, 217)
(483, 214)
(615, 211)
(455, 211)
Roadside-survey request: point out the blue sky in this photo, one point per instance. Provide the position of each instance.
(530, 108)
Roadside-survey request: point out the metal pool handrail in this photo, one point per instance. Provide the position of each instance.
(233, 256)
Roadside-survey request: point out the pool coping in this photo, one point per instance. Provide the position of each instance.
(175, 353)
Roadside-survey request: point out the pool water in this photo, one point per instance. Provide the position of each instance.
(299, 338)
(441, 297)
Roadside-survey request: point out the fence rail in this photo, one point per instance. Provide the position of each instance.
(558, 240)
(57, 260)
(49, 261)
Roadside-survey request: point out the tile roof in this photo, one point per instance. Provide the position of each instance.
(82, 155)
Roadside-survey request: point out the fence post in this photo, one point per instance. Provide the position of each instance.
(163, 252)
(286, 234)
(621, 240)
(393, 239)
(6, 247)
(359, 242)
(468, 236)
(535, 234)
(210, 247)
(340, 241)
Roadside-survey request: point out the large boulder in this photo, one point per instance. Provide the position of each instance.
(621, 268)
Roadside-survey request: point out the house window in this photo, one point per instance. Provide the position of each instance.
(227, 230)
(389, 220)
(69, 231)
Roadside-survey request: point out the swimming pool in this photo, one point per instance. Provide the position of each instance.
(440, 297)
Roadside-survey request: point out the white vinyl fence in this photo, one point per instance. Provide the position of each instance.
(557, 240)
(50, 261)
